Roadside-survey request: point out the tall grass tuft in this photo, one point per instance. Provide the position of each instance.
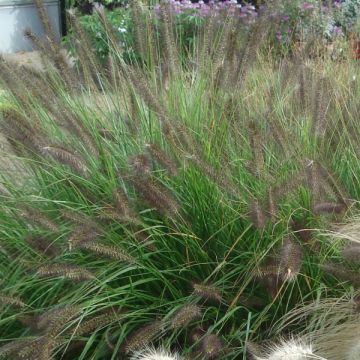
(197, 200)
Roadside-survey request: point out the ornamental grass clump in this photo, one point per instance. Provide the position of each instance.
(192, 203)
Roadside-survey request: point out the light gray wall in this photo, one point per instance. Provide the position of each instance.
(16, 16)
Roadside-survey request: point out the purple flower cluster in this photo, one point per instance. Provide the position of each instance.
(307, 6)
(294, 20)
(212, 7)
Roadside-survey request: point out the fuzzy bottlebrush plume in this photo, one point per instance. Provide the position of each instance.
(36, 217)
(55, 54)
(82, 220)
(132, 120)
(257, 215)
(269, 275)
(19, 132)
(170, 50)
(335, 185)
(81, 235)
(207, 292)
(13, 347)
(182, 141)
(322, 182)
(37, 85)
(43, 246)
(96, 322)
(154, 354)
(269, 267)
(219, 52)
(140, 164)
(58, 57)
(90, 65)
(272, 283)
(123, 206)
(248, 53)
(352, 253)
(290, 350)
(111, 213)
(29, 321)
(142, 87)
(279, 134)
(162, 159)
(156, 195)
(356, 303)
(36, 42)
(66, 157)
(290, 259)
(142, 337)
(71, 272)
(185, 315)
(342, 273)
(306, 236)
(303, 72)
(9, 79)
(41, 348)
(206, 41)
(321, 104)
(253, 350)
(196, 334)
(226, 72)
(44, 18)
(11, 300)
(211, 346)
(53, 317)
(222, 59)
(302, 232)
(112, 252)
(329, 208)
(53, 323)
(139, 27)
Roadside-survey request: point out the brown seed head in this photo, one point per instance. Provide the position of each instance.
(185, 315)
(212, 346)
(207, 292)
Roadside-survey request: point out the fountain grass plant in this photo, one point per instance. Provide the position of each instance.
(176, 201)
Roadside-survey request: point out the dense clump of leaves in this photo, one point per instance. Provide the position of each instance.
(183, 202)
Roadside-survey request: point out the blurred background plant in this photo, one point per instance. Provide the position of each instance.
(120, 19)
(293, 21)
(85, 7)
